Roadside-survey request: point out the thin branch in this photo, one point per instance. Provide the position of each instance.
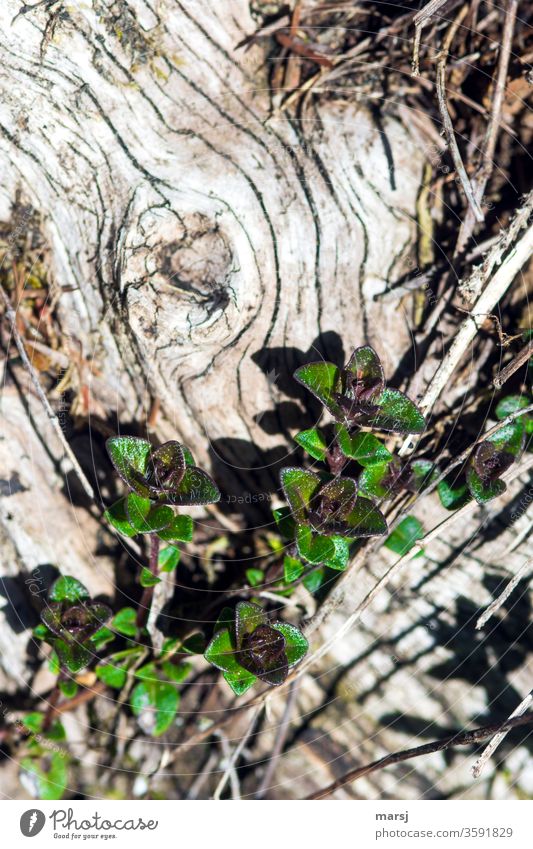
(486, 165)
(489, 297)
(495, 742)
(281, 737)
(459, 738)
(12, 317)
(514, 365)
(237, 753)
(502, 598)
(447, 121)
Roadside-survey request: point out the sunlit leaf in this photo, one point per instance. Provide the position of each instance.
(323, 380)
(129, 455)
(116, 515)
(296, 645)
(180, 529)
(155, 704)
(67, 588)
(147, 578)
(292, 569)
(405, 535)
(299, 486)
(365, 448)
(313, 442)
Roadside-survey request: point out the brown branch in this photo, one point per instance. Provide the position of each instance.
(12, 318)
(514, 365)
(447, 121)
(459, 738)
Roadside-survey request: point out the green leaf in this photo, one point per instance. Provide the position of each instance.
(510, 438)
(41, 632)
(147, 578)
(189, 459)
(148, 672)
(296, 645)
(511, 404)
(67, 588)
(285, 522)
(339, 561)
(240, 682)
(156, 704)
(313, 442)
(226, 619)
(50, 781)
(314, 580)
(371, 481)
(68, 687)
(34, 721)
(196, 487)
(424, 473)
(176, 672)
(144, 517)
(365, 448)
(102, 637)
(74, 656)
(397, 413)
(322, 379)
(179, 530)
(453, 496)
(299, 486)
(129, 456)
(405, 535)
(255, 577)
(315, 548)
(248, 617)
(169, 558)
(292, 569)
(222, 654)
(125, 622)
(481, 491)
(366, 520)
(113, 676)
(365, 366)
(116, 515)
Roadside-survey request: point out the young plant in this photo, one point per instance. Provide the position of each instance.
(356, 395)
(247, 647)
(159, 481)
(327, 511)
(71, 622)
(491, 458)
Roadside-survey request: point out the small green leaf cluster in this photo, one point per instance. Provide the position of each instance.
(247, 647)
(159, 480)
(44, 765)
(490, 459)
(72, 624)
(326, 510)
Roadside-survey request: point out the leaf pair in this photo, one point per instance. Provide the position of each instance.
(491, 458)
(247, 647)
(166, 475)
(385, 480)
(331, 508)
(356, 395)
(72, 619)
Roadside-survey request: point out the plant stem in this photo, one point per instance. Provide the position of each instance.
(146, 598)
